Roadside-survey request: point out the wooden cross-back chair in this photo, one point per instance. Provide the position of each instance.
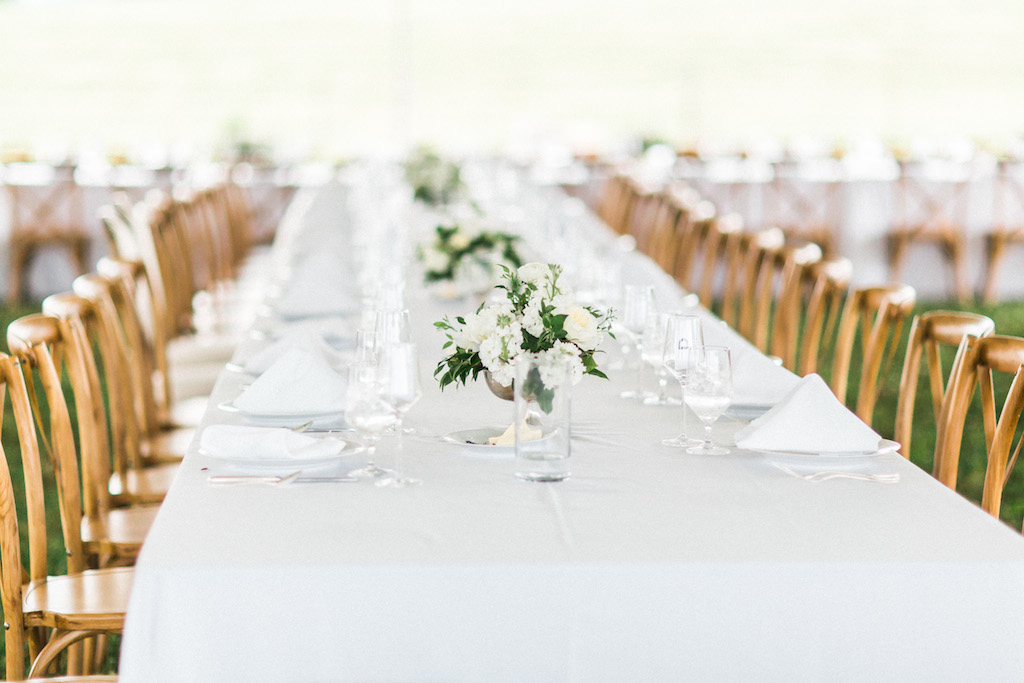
(616, 200)
(671, 228)
(111, 293)
(876, 316)
(644, 205)
(772, 314)
(806, 201)
(692, 243)
(46, 613)
(822, 297)
(110, 536)
(44, 216)
(930, 210)
(130, 481)
(744, 254)
(929, 334)
(1008, 222)
(715, 256)
(982, 361)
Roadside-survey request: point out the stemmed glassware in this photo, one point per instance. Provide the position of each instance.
(368, 411)
(638, 305)
(683, 334)
(709, 392)
(392, 326)
(653, 348)
(398, 365)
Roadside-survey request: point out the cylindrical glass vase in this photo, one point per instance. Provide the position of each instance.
(543, 393)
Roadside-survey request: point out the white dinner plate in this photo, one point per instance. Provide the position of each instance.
(475, 441)
(831, 460)
(747, 411)
(345, 449)
(285, 419)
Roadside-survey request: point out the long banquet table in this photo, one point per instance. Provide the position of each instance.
(646, 564)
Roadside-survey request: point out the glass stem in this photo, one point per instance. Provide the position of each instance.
(662, 388)
(682, 396)
(639, 372)
(708, 445)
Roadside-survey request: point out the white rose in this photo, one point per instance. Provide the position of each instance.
(581, 328)
(534, 273)
(459, 241)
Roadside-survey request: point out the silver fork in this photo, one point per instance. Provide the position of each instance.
(825, 475)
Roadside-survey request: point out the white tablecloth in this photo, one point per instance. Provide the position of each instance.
(647, 564)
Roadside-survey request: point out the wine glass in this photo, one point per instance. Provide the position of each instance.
(638, 305)
(709, 392)
(683, 334)
(368, 411)
(653, 348)
(399, 368)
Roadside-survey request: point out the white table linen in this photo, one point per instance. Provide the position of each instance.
(647, 564)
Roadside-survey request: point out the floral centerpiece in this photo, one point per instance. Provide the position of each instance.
(469, 259)
(540, 315)
(434, 180)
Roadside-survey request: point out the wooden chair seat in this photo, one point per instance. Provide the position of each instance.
(118, 532)
(143, 485)
(96, 599)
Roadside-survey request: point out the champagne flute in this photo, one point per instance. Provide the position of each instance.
(709, 392)
(638, 304)
(683, 334)
(368, 411)
(653, 348)
(399, 367)
(392, 326)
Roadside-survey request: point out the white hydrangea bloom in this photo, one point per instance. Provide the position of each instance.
(550, 368)
(532, 321)
(534, 273)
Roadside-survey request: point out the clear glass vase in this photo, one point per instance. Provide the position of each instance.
(543, 393)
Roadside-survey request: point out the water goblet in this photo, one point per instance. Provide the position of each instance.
(368, 411)
(709, 392)
(653, 348)
(399, 368)
(683, 334)
(638, 304)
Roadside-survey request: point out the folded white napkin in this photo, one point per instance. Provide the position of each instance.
(298, 383)
(304, 339)
(264, 443)
(320, 285)
(810, 419)
(757, 380)
(508, 437)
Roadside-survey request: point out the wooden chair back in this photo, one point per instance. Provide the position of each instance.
(114, 444)
(672, 226)
(982, 361)
(822, 296)
(715, 254)
(744, 254)
(691, 242)
(929, 334)
(766, 313)
(878, 314)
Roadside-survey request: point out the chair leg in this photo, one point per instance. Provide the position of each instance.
(21, 255)
(955, 252)
(996, 253)
(897, 244)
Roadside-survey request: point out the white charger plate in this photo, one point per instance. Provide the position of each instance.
(831, 460)
(285, 419)
(345, 449)
(747, 411)
(475, 441)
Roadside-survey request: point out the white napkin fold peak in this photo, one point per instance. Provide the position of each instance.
(298, 383)
(810, 419)
(264, 443)
(304, 339)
